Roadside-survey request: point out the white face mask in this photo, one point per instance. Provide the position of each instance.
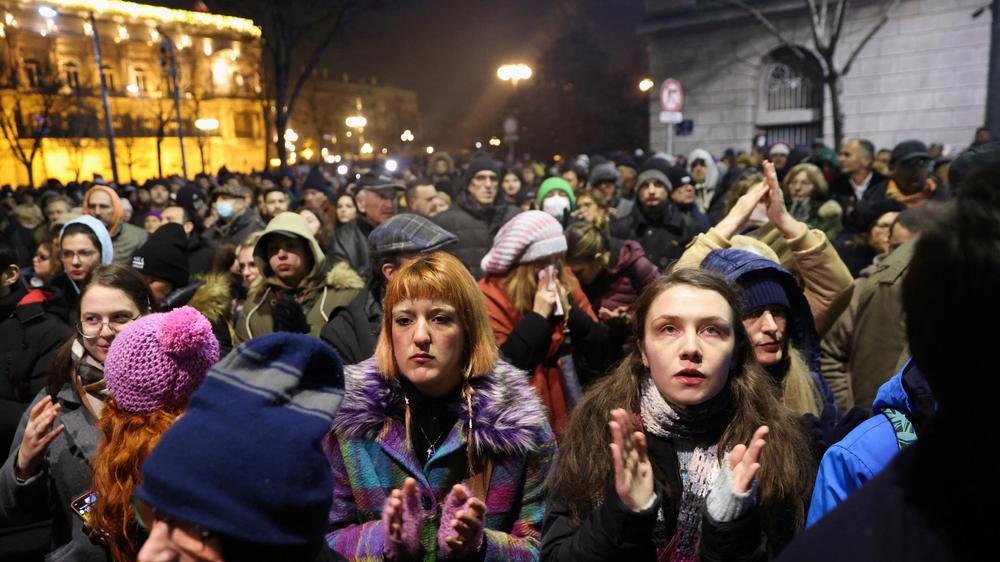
(557, 205)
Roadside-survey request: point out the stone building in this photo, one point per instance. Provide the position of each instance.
(50, 87)
(320, 117)
(923, 75)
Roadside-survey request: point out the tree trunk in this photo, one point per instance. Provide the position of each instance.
(832, 80)
(281, 123)
(159, 156)
(31, 172)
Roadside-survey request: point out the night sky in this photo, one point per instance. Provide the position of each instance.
(448, 51)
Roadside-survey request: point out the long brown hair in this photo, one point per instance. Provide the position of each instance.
(521, 283)
(128, 440)
(787, 464)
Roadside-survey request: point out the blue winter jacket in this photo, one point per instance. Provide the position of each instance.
(863, 453)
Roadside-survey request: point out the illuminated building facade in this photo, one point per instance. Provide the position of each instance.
(50, 89)
(320, 120)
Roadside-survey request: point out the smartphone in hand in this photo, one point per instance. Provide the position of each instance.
(83, 504)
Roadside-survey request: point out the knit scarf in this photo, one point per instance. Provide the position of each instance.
(88, 378)
(699, 464)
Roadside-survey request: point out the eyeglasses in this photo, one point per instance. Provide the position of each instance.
(91, 326)
(146, 516)
(82, 254)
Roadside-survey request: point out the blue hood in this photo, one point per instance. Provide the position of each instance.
(736, 265)
(98, 228)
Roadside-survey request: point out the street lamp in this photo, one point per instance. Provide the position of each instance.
(205, 125)
(494, 141)
(356, 122)
(430, 150)
(645, 85)
(407, 136)
(514, 73)
(367, 148)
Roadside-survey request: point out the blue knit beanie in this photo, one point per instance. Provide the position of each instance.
(245, 460)
(760, 289)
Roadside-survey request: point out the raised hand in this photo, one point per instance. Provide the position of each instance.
(777, 213)
(403, 518)
(460, 534)
(738, 216)
(633, 471)
(744, 462)
(38, 434)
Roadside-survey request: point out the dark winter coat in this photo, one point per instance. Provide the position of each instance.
(613, 532)
(32, 327)
(662, 238)
(475, 226)
(350, 245)
(932, 502)
(200, 253)
(238, 229)
(64, 477)
(370, 456)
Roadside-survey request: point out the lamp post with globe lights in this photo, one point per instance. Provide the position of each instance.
(513, 73)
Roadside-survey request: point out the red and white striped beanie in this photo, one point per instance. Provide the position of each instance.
(529, 236)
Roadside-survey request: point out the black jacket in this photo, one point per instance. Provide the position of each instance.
(200, 253)
(350, 244)
(31, 329)
(475, 226)
(663, 237)
(236, 230)
(613, 532)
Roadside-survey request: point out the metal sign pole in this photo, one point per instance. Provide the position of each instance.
(108, 129)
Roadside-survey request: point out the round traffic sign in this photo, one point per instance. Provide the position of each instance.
(671, 95)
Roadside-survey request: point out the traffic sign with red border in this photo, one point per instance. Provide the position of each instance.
(671, 95)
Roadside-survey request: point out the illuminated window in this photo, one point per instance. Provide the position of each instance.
(140, 78)
(71, 71)
(109, 77)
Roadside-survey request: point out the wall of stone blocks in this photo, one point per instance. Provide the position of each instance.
(922, 76)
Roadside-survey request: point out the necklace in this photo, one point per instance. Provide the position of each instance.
(432, 443)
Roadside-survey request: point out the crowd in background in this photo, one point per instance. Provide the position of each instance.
(381, 360)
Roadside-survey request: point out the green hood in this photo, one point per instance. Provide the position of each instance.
(288, 223)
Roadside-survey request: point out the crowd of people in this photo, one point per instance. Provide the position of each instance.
(756, 356)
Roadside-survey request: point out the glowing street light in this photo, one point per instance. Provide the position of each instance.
(407, 136)
(206, 124)
(645, 85)
(47, 12)
(391, 165)
(291, 135)
(342, 170)
(307, 153)
(275, 162)
(430, 150)
(367, 148)
(514, 73)
(356, 121)
(494, 141)
(479, 145)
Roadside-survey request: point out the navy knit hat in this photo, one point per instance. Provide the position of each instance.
(761, 289)
(245, 460)
(407, 234)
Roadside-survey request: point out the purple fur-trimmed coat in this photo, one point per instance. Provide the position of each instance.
(369, 457)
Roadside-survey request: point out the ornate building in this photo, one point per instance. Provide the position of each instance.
(50, 90)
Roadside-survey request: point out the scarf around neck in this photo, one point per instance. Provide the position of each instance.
(695, 431)
(88, 379)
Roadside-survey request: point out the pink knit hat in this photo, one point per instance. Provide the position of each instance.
(159, 360)
(529, 236)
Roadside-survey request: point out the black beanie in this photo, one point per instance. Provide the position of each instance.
(164, 255)
(478, 164)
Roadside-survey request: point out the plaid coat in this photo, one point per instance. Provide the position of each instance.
(370, 456)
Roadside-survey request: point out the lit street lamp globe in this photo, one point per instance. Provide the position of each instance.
(356, 121)
(206, 124)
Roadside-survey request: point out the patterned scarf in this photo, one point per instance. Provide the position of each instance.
(699, 465)
(88, 378)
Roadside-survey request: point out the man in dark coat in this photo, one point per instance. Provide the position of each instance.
(477, 214)
(237, 220)
(378, 200)
(655, 223)
(31, 329)
(199, 250)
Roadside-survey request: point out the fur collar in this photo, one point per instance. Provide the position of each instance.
(340, 277)
(508, 416)
(214, 298)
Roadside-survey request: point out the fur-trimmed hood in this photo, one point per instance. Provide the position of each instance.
(507, 415)
(214, 298)
(340, 277)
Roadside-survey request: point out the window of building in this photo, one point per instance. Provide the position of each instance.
(109, 77)
(791, 97)
(33, 72)
(71, 72)
(139, 75)
(243, 123)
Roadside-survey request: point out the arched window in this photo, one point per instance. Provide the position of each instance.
(71, 73)
(791, 97)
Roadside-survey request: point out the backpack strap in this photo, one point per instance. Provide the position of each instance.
(906, 435)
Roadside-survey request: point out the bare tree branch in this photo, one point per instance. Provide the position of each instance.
(838, 22)
(770, 27)
(315, 57)
(871, 33)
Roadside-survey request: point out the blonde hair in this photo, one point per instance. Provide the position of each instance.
(440, 276)
(601, 222)
(584, 242)
(799, 391)
(815, 175)
(521, 283)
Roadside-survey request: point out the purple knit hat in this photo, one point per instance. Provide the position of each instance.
(159, 360)
(529, 236)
